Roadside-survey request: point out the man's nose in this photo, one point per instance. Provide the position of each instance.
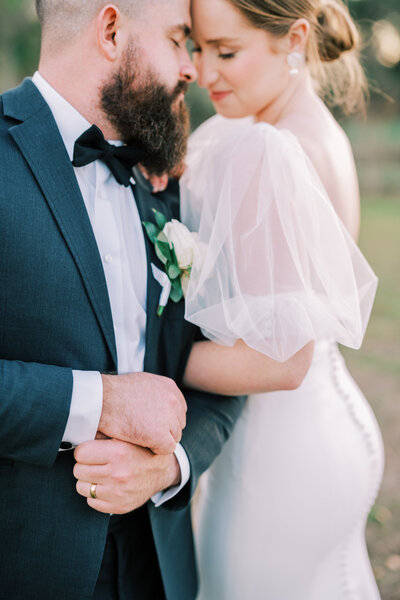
(187, 69)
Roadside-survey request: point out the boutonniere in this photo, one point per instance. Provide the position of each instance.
(176, 247)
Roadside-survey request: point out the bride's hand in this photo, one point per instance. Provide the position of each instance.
(158, 182)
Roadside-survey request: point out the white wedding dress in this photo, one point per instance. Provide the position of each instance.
(282, 511)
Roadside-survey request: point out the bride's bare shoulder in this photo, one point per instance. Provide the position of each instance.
(330, 152)
(319, 134)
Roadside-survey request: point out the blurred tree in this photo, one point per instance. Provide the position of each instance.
(19, 41)
(379, 21)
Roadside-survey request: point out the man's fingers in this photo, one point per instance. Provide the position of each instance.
(94, 452)
(182, 420)
(181, 413)
(176, 432)
(91, 473)
(102, 506)
(83, 488)
(167, 446)
(175, 393)
(113, 508)
(182, 401)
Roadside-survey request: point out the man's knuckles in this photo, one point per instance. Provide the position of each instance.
(168, 446)
(122, 477)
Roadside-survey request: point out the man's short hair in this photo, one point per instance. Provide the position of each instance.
(61, 20)
(57, 9)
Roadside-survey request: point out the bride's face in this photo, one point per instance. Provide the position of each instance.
(244, 68)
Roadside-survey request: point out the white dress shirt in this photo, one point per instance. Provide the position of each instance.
(119, 235)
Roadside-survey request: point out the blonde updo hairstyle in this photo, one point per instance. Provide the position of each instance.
(332, 48)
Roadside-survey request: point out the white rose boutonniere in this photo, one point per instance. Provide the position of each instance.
(182, 241)
(176, 247)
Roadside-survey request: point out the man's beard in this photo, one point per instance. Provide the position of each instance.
(142, 110)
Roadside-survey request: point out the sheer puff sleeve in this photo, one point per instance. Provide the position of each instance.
(279, 268)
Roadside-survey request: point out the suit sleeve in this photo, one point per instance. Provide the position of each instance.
(210, 421)
(34, 408)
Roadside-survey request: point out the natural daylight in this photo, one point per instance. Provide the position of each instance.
(199, 316)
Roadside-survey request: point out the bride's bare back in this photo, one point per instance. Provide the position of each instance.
(329, 150)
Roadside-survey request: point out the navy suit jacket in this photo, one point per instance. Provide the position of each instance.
(55, 316)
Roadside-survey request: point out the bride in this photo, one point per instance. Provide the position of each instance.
(282, 511)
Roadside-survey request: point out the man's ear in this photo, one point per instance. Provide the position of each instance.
(298, 36)
(108, 31)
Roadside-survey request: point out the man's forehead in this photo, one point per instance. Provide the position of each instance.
(178, 10)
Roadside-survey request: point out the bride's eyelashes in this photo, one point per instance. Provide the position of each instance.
(223, 55)
(226, 55)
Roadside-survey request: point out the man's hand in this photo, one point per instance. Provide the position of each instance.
(143, 409)
(126, 476)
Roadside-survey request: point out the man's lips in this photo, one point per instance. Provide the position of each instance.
(180, 91)
(217, 96)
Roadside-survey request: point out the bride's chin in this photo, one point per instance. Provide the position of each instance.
(231, 113)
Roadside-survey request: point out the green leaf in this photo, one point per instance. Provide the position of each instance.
(176, 284)
(176, 295)
(151, 230)
(173, 271)
(174, 259)
(160, 254)
(160, 218)
(165, 249)
(162, 238)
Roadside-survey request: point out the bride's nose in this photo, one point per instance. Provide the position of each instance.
(206, 74)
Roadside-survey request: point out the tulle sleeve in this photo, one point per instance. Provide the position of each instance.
(279, 268)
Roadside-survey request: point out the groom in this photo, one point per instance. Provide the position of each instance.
(83, 354)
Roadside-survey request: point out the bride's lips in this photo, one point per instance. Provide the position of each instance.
(217, 96)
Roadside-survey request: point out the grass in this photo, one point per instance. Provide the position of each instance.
(376, 368)
(376, 145)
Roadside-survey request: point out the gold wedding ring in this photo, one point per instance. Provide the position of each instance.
(93, 491)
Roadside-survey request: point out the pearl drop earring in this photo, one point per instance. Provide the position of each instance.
(295, 60)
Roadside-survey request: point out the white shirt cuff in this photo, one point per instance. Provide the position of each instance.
(85, 409)
(184, 465)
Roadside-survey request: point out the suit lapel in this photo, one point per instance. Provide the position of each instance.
(38, 139)
(145, 202)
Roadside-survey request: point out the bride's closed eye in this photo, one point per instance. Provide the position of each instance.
(223, 55)
(226, 51)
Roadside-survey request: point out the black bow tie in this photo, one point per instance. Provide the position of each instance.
(91, 146)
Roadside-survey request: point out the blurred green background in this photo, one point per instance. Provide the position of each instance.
(376, 143)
